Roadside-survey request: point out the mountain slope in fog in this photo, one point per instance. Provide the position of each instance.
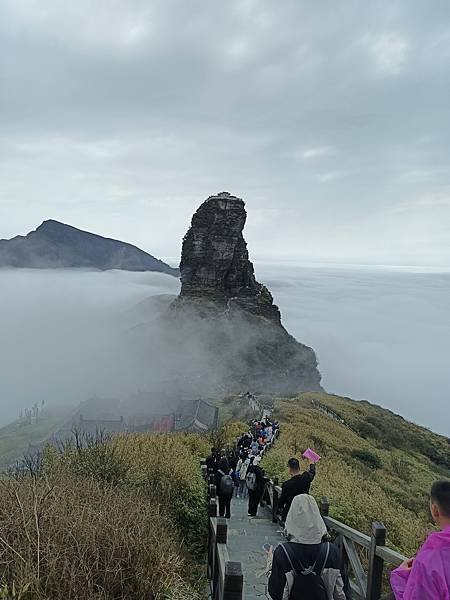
(57, 245)
(223, 333)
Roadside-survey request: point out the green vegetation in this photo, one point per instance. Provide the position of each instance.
(114, 517)
(386, 429)
(375, 466)
(125, 516)
(16, 438)
(233, 408)
(372, 460)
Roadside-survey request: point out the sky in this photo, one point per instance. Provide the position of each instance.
(331, 120)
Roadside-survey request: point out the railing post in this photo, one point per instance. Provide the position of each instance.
(211, 478)
(275, 500)
(212, 508)
(212, 491)
(375, 573)
(324, 507)
(234, 581)
(222, 530)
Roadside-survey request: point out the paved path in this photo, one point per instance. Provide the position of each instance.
(246, 536)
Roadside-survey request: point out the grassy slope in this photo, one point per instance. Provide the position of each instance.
(396, 493)
(120, 518)
(15, 438)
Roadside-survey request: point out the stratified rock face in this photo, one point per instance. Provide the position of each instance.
(224, 322)
(214, 260)
(55, 245)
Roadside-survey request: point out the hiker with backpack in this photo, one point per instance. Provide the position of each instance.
(254, 447)
(305, 567)
(255, 485)
(243, 465)
(224, 487)
(212, 461)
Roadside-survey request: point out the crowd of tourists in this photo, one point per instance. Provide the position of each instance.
(308, 565)
(236, 470)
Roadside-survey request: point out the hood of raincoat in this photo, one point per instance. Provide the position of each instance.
(304, 521)
(430, 575)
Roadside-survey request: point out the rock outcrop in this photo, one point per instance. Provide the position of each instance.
(227, 321)
(214, 261)
(57, 245)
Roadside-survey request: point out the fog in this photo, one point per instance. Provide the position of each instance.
(379, 334)
(62, 335)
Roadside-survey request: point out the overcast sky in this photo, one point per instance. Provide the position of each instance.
(331, 120)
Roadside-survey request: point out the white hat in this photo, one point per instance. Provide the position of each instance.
(304, 521)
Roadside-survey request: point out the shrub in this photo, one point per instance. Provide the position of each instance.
(164, 466)
(369, 458)
(72, 537)
(106, 517)
(227, 434)
(357, 496)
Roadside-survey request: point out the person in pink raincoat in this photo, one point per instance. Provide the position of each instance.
(427, 576)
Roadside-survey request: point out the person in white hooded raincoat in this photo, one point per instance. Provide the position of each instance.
(305, 552)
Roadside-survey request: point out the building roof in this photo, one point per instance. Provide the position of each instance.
(196, 415)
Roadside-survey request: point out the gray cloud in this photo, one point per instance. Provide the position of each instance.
(330, 121)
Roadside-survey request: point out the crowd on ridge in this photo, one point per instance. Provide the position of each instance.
(308, 566)
(236, 470)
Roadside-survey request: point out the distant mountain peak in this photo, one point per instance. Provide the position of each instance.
(57, 245)
(51, 223)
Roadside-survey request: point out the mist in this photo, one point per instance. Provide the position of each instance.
(62, 335)
(379, 334)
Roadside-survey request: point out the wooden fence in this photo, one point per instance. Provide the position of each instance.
(364, 556)
(366, 584)
(224, 575)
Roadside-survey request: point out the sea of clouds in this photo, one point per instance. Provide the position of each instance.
(380, 334)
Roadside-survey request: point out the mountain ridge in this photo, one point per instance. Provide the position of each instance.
(54, 244)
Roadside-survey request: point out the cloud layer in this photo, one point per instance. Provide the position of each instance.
(380, 335)
(332, 122)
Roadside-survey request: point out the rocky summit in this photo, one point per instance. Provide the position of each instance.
(215, 264)
(226, 322)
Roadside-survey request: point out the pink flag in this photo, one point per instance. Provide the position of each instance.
(311, 455)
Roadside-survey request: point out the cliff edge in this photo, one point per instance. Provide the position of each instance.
(231, 315)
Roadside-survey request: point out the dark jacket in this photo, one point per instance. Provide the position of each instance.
(281, 576)
(299, 484)
(217, 477)
(259, 478)
(211, 463)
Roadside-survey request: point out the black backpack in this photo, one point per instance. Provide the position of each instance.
(226, 484)
(308, 583)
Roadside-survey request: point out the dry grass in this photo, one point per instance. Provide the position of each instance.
(106, 522)
(396, 493)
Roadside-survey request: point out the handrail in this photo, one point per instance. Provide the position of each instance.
(225, 576)
(365, 586)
